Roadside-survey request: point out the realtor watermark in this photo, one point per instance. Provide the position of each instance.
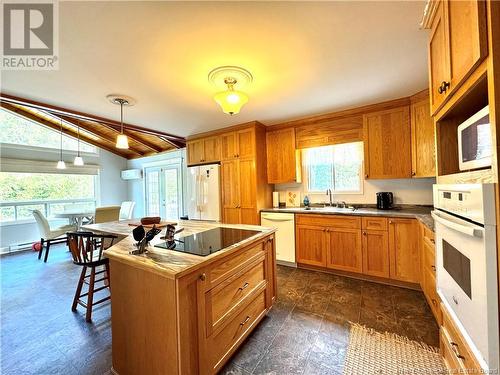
(30, 35)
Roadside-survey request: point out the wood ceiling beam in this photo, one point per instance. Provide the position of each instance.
(30, 116)
(97, 133)
(56, 110)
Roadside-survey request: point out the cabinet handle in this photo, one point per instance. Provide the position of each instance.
(244, 286)
(366, 176)
(433, 268)
(203, 276)
(237, 155)
(364, 233)
(432, 241)
(434, 302)
(413, 173)
(245, 321)
(390, 222)
(444, 87)
(454, 347)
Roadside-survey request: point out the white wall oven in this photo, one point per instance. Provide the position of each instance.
(465, 225)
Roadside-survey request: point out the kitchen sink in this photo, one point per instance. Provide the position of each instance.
(333, 209)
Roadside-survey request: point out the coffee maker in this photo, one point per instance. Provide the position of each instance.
(384, 200)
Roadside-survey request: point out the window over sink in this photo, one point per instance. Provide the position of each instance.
(337, 167)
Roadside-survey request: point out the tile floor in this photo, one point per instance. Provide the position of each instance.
(306, 332)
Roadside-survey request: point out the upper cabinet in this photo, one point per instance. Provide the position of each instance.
(283, 160)
(423, 152)
(387, 144)
(238, 144)
(457, 45)
(204, 150)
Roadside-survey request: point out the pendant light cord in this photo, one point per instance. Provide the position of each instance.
(121, 115)
(61, 139)
(78, 130)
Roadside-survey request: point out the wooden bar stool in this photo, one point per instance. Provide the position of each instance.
(86, 249)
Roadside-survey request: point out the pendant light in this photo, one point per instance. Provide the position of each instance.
(226, 78)
(78, 159)
(121, 139)
(61, 164)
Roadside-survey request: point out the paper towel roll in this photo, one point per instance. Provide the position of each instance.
(276, 199)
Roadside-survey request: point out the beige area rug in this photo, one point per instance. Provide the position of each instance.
(372, 352)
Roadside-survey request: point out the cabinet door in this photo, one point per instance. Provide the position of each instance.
(281, 156)
(246, 143)
(211, 148)
(387, 144)
(423, 151)
(195, 152)
(230, 191)
(248, 195)
(344, 249)
(467, 37)
(404, 250)
(376, 253)
(439, 60)
(228, 146)
(311, 245)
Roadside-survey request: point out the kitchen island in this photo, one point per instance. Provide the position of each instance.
(177, 313)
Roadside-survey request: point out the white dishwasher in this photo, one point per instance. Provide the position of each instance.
(285, 235)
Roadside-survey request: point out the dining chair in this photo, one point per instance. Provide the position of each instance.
(126, 210)
(107, 213)
(87, 251)
(49, 236)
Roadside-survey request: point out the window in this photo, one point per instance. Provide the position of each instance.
(17, 130)
(20, 193)
(338, 167)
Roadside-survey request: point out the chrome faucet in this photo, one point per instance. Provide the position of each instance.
(329, 193)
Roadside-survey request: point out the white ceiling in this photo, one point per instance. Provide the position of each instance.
(306, 58)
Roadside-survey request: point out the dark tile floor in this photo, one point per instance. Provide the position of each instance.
(306, 332)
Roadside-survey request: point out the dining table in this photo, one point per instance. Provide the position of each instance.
(76, 217)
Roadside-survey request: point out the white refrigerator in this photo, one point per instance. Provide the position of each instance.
(203, 188)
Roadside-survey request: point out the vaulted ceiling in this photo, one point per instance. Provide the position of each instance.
(306, 58)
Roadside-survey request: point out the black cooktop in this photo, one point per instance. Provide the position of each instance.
(208, 242)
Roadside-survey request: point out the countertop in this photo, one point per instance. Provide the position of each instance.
(421, 213)
(168, 263)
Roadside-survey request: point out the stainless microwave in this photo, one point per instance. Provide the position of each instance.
(474, 141)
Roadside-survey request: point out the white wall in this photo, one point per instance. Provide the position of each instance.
(136, 187)
(406, 191)
(112, 190)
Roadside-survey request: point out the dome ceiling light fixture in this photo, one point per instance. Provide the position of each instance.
(121, 139)
(225, 78)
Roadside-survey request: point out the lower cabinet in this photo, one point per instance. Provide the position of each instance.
(344, 249)
(428, 281)
(310, 244)
(376, 253)
(404, 250)
(374, 246)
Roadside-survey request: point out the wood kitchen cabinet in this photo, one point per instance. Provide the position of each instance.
(457, 45)
(388, 143)
(344, 249)
(404, 250)
(283, 160)
(311, 243)
(376, 253)
(241, 150)
(423, 150)
(204, 150)
(428, 271)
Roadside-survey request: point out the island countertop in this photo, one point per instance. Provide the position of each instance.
(169, 263)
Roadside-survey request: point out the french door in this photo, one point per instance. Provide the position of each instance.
(163, 191)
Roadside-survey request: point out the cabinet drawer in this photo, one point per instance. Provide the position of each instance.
(449, 357)
(225, 269)
(221, 300)
(374, 223)
(337, 221)
(223, 343)
(428, 235)
(429, 258)
(457, 344)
